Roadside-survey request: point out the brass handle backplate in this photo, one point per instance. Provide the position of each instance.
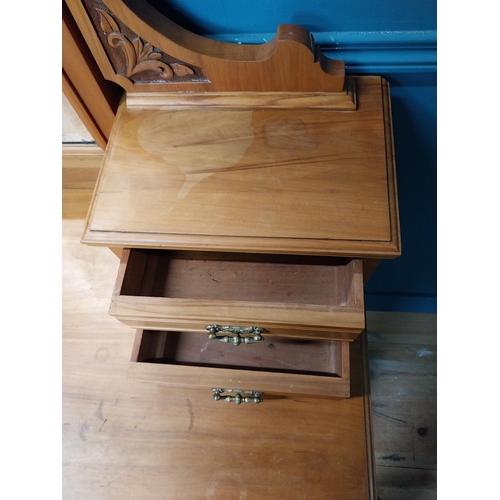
(254, 334)
(237, 398)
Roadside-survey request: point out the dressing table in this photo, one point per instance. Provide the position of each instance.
(249, 192)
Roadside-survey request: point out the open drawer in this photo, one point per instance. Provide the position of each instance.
(286, 295)
(276, 366)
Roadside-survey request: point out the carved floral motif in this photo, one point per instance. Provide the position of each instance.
(140, 56)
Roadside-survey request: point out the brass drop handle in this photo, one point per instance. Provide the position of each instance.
(237, 398)
(254, 334)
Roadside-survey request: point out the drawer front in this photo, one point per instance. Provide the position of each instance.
(274, 367)
(289, 296)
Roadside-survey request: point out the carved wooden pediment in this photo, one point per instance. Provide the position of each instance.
(143, 51)
(131, 56)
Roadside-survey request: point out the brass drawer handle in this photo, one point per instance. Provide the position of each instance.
(254, 334)
(237, 398)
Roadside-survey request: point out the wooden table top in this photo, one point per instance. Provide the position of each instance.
(274, 178)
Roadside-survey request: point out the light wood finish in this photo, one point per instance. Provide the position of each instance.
(75, 203)
(267, 180)
(80, 165)
(94, 99)
(275, 366)
(132, 41)
(289, 296)
(82, 111)
(128, 439)
(246, 100)
(120, 461)
(80, 169)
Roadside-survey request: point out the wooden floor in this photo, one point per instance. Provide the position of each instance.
(402, 356)
(402, 351)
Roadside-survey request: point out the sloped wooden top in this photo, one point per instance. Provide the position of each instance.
(230, 173)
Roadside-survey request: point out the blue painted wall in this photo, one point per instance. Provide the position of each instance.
(392, 38)
(260, 16)
(409, 283)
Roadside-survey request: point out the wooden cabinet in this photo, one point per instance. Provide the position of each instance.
(249, 188)
(306, 308)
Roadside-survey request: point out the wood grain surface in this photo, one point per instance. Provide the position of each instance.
(81, 164)
(403, 370)
(139, 48)
(94, 98)
(96, 353)
(254, 180)
(127, 439)
(276, 366)
(288, 296)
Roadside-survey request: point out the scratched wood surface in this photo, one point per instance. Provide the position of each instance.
(127, 439)
(402, 351)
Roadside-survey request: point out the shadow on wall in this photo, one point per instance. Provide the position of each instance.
(409, 283)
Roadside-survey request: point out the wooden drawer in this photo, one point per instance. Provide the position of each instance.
(289, 296)
(275, 366)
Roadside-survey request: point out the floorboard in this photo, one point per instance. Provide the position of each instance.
(402, 354)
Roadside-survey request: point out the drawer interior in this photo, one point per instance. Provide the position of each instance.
(311, 357)
(327, 281)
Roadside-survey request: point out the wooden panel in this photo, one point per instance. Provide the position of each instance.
(226, 276)
(80, 169)
(269, 180)
(287, 299)
(94, 99)
(82, 111)
(122, 438)
(245, 100)
(75, 203)
(73, 129)
(139, 48)
(80, 165)
(274, 366)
